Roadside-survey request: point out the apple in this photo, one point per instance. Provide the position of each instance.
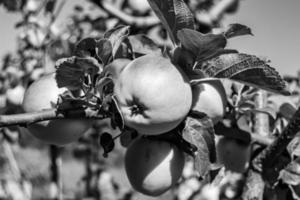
(153, 94)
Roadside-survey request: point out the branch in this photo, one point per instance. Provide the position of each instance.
(269, 155)
(262, 140)
(51, 114)
(211, 17)
(140, 22)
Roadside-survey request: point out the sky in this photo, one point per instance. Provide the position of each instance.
(274, 23)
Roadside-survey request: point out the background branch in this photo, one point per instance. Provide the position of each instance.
(211, 17)
(140, 22)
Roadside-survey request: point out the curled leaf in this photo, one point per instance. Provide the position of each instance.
(127, 136)
(174, 15)
(104, 50)
(234, 30)
(71, 71)
(107, 142)
(86, 48)
(116, 36)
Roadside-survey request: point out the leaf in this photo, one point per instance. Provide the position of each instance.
(294, 147)
(107, 142)
(203, 46)
(117, 117)
(86, 48)
(142, 44)
(104, 50)
(70, 71)
(247, 69)
(287, 110)
(234, 30)
(116, 37)
(291, 174)
(200, 132)
(127, 136)
(174, 15)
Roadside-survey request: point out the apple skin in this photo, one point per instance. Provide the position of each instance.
(43, 94)
(210, 98)
(153, 166)
(153, 94)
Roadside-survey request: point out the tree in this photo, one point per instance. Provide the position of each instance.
(83, 66)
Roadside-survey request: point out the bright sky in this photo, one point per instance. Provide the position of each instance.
(274, 23)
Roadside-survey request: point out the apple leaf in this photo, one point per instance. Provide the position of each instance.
(234, 30)
(174, 15)
(127, 136)
(117, 117)
(104, 50)
(203, 46)
(70, 72)
(142, 44)
(294, 147)
(116, 37)
(199, 132)
(86, 48)
(247, 69)
(291, 174)
(107, 142)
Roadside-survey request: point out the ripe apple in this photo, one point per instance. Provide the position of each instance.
(116, 67)
(154, 95)
(210, 98)
(153, 166)
(234, 154)
(15, 95)
(43, 94)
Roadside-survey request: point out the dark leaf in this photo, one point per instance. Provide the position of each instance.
(127, 136)
(287, 110)
(104, 50)
(199, 132)
(142, 44)
(117, 117)
(86, 48)
(203, 46)
(174, 15)
(107, 142)
(116, 37)
(234, 30)
(70, 71)
(247, 69)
